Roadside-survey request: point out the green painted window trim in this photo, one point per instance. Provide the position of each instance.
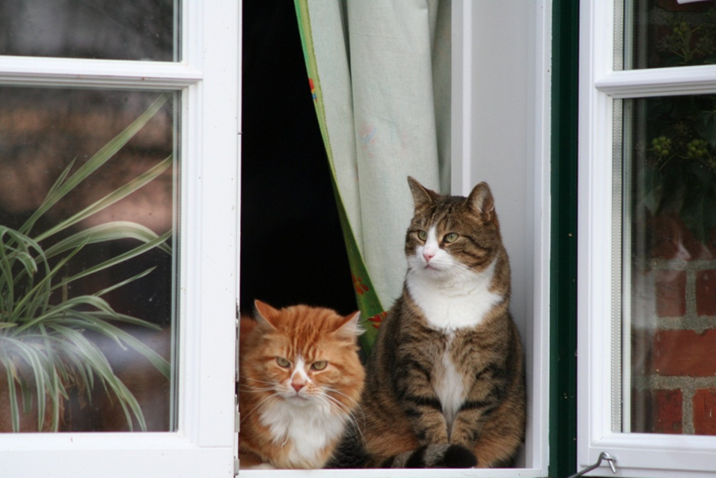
(563, 287)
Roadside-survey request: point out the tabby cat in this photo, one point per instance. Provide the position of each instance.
(445, 383)
(299, 384)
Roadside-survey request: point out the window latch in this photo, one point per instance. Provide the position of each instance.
(602, 456)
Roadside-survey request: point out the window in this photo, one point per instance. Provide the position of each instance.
(645, 236)
(499, 118)
(72, 76)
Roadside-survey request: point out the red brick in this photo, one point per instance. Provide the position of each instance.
(670, 293)
(705, 412)
(706, 292)
(684, 353)
(657, 411)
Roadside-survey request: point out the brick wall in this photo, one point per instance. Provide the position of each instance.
(674, 359)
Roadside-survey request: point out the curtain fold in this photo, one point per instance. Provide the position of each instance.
(379, 72)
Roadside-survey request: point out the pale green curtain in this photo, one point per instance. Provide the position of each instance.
(380, 73)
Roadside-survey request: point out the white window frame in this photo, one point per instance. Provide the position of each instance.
(494, 92)
(208, 80)
(637, 454)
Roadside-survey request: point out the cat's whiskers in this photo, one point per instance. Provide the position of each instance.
(351, 411)
(352, 419)
(349, 398)
(332, 402)
(258, 406)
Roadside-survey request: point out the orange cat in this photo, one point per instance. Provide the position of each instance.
(300, 381)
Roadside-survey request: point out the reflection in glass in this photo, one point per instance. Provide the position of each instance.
(87, 259)
(99, 29)
(669, 271)
(668, 33)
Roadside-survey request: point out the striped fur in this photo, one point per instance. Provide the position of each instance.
(445, 377)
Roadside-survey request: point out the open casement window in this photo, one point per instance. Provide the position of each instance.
(647, 138)
(98, 100)
(500, 134)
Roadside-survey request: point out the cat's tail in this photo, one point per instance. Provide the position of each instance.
(433, 456)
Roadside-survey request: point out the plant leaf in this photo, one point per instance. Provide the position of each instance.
(111, 198)
(117, 334)
(141, 249)
(106, 232)
(101, 157)
(12, 395)
(94, 356)
(60, 310)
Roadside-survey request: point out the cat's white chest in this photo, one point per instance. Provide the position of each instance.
(454, 303)
(304, 430)
(449, 386)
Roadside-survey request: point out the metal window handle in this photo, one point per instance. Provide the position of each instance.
(602, 456)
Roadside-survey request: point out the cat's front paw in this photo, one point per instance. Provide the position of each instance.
(456, 456)
(434, 456)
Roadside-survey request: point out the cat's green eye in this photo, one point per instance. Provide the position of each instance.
(422, 235)
(452, 237)
(320, 365)
(282, 362)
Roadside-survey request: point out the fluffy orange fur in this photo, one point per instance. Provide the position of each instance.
(300, 381)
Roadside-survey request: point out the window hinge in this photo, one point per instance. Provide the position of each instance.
(602, 456)
(237, 426)
(236, 361)
(237, 420)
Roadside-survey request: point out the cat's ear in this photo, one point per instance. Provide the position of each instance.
(422, 196)
(480, 199)
(350, 326)
(264, 313)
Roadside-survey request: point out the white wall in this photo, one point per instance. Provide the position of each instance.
(500, 123)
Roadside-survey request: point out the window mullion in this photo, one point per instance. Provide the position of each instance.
(658, 82)
(144, 75)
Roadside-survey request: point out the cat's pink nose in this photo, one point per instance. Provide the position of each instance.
(297, 386)
(428, 255)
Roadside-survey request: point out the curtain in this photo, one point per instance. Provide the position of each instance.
(379, 73)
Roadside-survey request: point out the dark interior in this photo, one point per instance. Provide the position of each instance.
(292, 248)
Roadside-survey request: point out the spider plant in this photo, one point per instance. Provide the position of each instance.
(45, 342)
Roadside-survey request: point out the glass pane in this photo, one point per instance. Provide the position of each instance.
(99, 29)
(669, 271)
(88, 180)
(667, 33)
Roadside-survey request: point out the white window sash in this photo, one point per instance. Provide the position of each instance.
(208, 79)
(637, 454)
